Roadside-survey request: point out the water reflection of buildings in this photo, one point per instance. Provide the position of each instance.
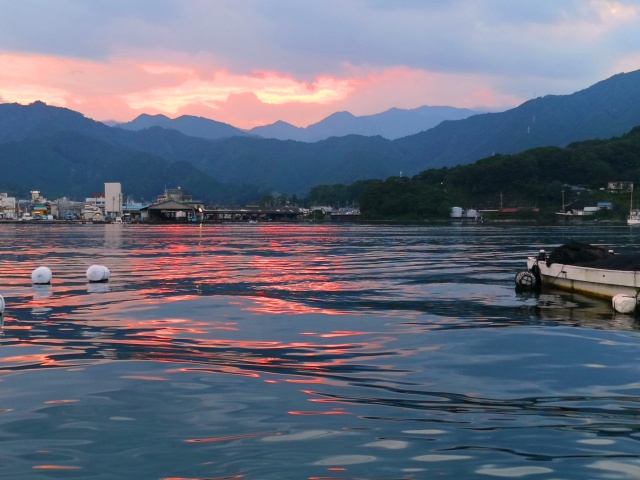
(113, 236)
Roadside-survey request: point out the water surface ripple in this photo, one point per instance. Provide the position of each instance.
(310, 351)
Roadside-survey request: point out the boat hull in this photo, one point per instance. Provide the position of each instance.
(590, 281)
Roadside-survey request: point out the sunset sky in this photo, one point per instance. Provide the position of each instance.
(252, 62)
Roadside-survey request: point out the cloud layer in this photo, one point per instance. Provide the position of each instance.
(252, 62)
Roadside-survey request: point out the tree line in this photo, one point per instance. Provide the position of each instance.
(531, 180)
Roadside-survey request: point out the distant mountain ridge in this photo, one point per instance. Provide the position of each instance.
(217, 169)
(186, 124)
(607, 109)
(391, 124)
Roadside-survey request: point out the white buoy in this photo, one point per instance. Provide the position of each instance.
(98, 273)
(41, 276)
(624, 303)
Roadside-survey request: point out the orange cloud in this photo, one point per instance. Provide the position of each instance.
(121, 89)
(268, 87)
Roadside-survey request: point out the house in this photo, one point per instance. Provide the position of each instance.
(324, 209)
(7, 207)
(63, 208)
(172, 211)
(620, 186)
(93, 213)
(581, 207)
(175, 194)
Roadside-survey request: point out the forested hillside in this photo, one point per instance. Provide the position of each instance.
(607, 109)
(534, 178)
(69, 164)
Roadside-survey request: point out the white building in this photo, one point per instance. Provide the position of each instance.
(113, 200)
(65, 209)
(7, 207)
(92, 212)
(96, 199)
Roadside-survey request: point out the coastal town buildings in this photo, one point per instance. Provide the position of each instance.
(7, 207)
(172, 206)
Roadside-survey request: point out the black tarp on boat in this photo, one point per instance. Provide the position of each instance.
(587, 255)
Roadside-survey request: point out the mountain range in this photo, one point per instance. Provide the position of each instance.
(61, 152)
(186, 124)
(392, 124)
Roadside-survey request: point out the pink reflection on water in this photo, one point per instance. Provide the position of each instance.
(161, 267)
(268, 305)
(335, 411)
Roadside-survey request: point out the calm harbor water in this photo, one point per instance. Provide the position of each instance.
(286, 351)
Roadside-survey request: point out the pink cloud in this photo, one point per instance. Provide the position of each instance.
(122, 88)
(405, 87)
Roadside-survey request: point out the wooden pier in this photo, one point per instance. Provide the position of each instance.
(172, 211)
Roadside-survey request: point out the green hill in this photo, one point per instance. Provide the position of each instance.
(534, 178)
(607, 109)
(71, 164)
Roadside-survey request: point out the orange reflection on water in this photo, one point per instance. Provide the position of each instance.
(338, 333)
(307, 380)
(299, 274)
(38, 359)
(337, 411)
(228, 439)
(168, 332)
(210, 325)
(233, 477)
(269, 305)
(8, 325)
(55, 467)
(220, 369)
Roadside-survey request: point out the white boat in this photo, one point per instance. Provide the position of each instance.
(598, 282)
(634, 215)
(606, 277)
(634, 218)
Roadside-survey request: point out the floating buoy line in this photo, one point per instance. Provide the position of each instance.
(43, 276)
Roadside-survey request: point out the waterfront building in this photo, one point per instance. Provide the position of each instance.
(7, 207)
(175, 195)
(113, 200)
(65, 209)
